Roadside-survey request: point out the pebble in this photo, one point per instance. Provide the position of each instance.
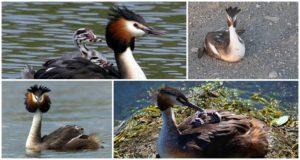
(194, 50)
(273, 19)
(273, 74)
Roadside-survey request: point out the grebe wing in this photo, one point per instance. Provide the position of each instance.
(62, 136)
(215, 140)
(83, 142)
(76, 68)
(218, 39)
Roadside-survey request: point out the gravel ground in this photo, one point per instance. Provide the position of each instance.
(271, 40)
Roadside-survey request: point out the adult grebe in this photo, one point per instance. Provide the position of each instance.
(66, 138)
(231, 136)
(82, 37)
(226, 45)
(123, 27)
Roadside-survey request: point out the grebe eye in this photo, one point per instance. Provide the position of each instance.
(135, 25)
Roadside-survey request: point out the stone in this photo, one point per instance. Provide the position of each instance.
(273, 74)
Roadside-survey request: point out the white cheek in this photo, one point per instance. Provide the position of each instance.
(133, 30)
(34, 98)
(42, 98)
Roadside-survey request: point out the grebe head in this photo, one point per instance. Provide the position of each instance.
(85, 35)
(123, 26)
(37, 98)
(168, 97)
(231, 15)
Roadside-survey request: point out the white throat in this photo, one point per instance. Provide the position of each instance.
(168, 137)
(34, 136)
(128, 67)
(236, 48)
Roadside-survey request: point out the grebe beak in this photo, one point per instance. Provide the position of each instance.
(150, 30)
(190, 105)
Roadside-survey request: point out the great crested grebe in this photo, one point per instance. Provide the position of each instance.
(82, 37)
(65, 138)
(233, 136)
(123, 27)
(226, 45)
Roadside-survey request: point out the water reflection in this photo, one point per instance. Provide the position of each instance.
(34, 32)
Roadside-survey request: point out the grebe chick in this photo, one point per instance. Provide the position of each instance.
(226, 45)
(65, 138)
(82, 37)
(234, 135)
(123, 27)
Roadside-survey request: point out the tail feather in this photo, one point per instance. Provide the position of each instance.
(259, 138)
(94, 142)
(28, 72)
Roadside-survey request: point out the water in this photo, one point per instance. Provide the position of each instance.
(137, 96)
(87, 104)
(35, 32)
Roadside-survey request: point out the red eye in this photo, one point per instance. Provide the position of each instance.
(135, 25)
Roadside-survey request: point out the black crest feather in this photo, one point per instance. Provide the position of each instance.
(35, 88)
(118, 12)
(173, 92)
(232, 11)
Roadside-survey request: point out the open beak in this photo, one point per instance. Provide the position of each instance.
(150, 30)
(95, 39)
(188, 104)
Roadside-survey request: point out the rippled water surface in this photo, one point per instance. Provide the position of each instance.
(86, 104)
(137, 93)
(35, 32)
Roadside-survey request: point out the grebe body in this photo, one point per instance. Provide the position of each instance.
(65, 138)
(123, 28)
(226, 45)
(223, 134)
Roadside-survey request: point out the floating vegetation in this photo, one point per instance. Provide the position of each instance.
(137, 137)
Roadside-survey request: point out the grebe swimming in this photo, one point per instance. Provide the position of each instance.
(65, 138)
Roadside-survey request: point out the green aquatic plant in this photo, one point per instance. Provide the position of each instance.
(138, 136)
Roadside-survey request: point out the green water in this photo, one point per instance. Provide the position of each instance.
(35, 32)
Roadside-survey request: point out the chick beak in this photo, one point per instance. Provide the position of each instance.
(150, 30)
(96, 39)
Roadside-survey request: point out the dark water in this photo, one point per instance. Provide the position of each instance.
(134, 95)
(86, 104)
(34, 32)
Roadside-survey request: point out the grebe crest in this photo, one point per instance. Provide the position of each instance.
(231, 15)
(37, 98)
(123, 26)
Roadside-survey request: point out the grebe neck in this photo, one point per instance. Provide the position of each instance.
(34, 137)
(127, 65)
(168, 138)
